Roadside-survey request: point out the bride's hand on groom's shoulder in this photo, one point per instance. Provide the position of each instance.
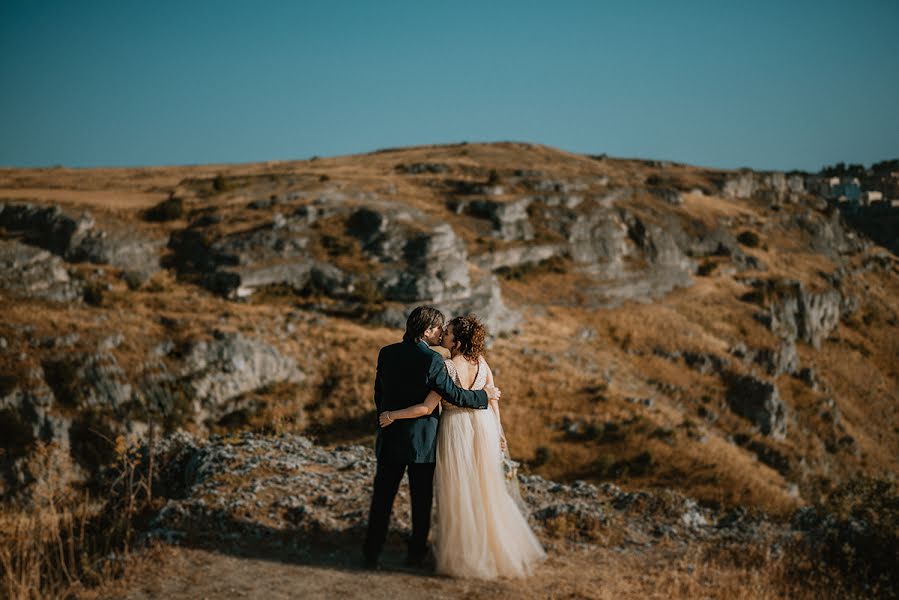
(384, 419)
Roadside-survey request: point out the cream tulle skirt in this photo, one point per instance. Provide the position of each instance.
(479, 531)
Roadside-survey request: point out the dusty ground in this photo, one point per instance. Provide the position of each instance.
(189, 573)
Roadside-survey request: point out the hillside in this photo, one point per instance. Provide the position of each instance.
(723, 335)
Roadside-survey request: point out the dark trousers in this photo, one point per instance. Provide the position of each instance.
(421, 492)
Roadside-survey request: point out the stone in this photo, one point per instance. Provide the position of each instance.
(79, 240)
(219, 370)
(796, 313)
(758, 401)
(436, 269)
(783, 359)
(510, 219)
(34, 272)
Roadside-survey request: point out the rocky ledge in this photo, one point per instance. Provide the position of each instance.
(251, 487)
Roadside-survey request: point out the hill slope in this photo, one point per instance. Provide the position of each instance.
(720, 333)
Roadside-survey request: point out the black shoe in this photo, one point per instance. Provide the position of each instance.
(371, 563)
(416, 562)
(419, 560)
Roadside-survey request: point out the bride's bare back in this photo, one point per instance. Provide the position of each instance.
(467, 371)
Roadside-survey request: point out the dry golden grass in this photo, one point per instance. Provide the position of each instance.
(548, 373)
(63, 542)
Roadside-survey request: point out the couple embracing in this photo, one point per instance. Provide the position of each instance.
(480, 530)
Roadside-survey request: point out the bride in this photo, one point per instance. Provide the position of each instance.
(480, 531)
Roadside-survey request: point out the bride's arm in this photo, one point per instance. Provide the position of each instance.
(418, 410)
(494, 406)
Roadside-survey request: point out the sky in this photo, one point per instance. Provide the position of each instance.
(767, 85)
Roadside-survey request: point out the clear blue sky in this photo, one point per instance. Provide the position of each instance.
(789, 84)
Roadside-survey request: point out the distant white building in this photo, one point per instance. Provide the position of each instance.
(870, 196)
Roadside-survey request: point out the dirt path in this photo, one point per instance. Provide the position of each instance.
(177, 573)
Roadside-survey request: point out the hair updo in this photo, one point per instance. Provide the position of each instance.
(470, 334)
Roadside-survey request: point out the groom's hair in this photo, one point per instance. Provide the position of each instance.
(421, 319)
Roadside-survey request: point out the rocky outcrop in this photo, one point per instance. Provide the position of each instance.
(781, 360)
(45, 226)
(758, 401)
(722, 242)
(826, 234)
(518, 256)
(256, 487)
(35, 273)
(27, 418)
(229, 365)
(81, 402)
(411, 259)
(510, 219)
(485, 300)
(436, 269)
(747, 184)
(80, 240)
(799, 314)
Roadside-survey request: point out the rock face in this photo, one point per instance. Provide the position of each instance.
(808, 316)
(781, 360)
(45, 226)
(826, 234)
(747, 184)
(219, 370)
(758, 401)
(79, 402)
(79, 240)
(510, 219)
(26, 418)
(436, 269)
(408, 258)
(36, 273)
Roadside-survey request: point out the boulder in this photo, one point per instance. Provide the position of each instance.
(510, 219)
(436, 269)
(223, 368)
(36, 273)
(758, 401)
(799, 314)
(45, 226)
(79, 240)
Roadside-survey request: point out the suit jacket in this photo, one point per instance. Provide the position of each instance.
(406, 373)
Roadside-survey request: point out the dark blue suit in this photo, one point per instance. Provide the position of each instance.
(406, 373)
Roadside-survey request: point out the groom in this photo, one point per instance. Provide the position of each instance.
(407, 372)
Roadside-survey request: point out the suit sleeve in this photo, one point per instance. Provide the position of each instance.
(440, 381)
(379, 389)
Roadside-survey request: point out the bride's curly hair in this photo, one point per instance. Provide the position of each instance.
(471, 335)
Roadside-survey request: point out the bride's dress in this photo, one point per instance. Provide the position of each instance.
(480, 531)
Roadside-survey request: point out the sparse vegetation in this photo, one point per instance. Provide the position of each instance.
(219, 183)
(578, 353)
(67, 542)
(748, 238)
(168, 210)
